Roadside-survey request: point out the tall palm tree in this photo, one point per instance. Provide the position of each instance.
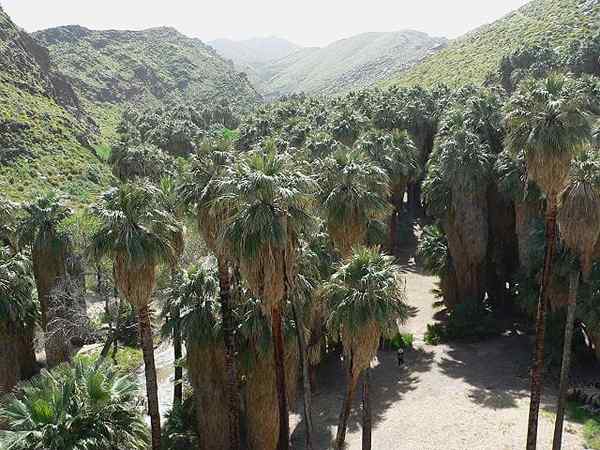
(397, 155)
(258, 366)
(169, 201)
(579, 224)
(367, 300)
(201, 327)
(18, 314)
(547, 120)
(137, 235)
(75, 407)
(459, 171)
(271, 203)
(305, 305)
(354, 191)
(421, 113)
(201, 191)
(50, 249)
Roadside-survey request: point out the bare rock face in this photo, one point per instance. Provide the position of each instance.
(28, 65)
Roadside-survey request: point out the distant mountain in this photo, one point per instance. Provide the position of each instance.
(112, 69)
(255, 50)
(44, 131)
(470, 58)
(357, 62)
(344, 65)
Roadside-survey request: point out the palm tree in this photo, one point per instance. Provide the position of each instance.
(137, 235)
(272, 204)
(169, 201)
(433, 249)
(459, 171)
(258, 366)
(397, 155)
(547, 120)
(420, 114)
(367, 300)
(579, 224)
(18, 314)
(305, 305)
(202, 191)
(354, 194)
(201, 327)
(354, 191)
(50, 250)
(75, 407)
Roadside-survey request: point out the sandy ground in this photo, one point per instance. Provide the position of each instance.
(450, 397)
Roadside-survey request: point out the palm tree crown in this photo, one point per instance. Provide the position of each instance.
(135, 232)
(272, 203)
(354, 191)
(367, 299)
(548, 120)
(75, 407)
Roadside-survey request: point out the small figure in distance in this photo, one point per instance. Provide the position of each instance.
(400, 354)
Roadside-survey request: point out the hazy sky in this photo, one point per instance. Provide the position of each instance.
(305, 22)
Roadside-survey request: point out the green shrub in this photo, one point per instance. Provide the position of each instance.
(435, 334)
(402, 340)
(179, 430)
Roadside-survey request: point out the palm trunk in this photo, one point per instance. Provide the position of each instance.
(367, 420)
(9, 365)
(538, 356)
(566, 361)
(340, 438)
(284, 425)
(150, 369)
(177, 354)
(233, 392)
(307, 391)
(26, 351)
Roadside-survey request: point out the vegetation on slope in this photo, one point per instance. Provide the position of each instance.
(109, 69)
(471, 58)
(43, 131)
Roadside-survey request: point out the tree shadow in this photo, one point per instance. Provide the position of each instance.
(496, 369)
(388, 384)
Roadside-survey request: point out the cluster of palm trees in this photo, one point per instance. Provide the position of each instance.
(293, 209)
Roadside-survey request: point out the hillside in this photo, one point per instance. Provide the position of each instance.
(472, 57)
(44, 132)
(111, 69)
(344, 65)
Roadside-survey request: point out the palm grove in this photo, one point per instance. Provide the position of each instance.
(269, 242)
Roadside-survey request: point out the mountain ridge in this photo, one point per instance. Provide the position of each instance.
(350, 63)
(113, 69)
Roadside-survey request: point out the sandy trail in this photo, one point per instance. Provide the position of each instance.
(450, 397)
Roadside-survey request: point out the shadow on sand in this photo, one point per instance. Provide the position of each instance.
(388, 384)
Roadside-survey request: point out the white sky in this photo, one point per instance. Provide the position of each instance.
(305, 22)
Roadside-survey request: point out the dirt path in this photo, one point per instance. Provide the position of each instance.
(450, 397)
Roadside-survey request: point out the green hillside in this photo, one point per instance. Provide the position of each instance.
(111, 69)
(43, 131)
(472, 57)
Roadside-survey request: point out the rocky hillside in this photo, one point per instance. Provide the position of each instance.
(111, 69)
(344, 65)
(44, 132)
(472, 57)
